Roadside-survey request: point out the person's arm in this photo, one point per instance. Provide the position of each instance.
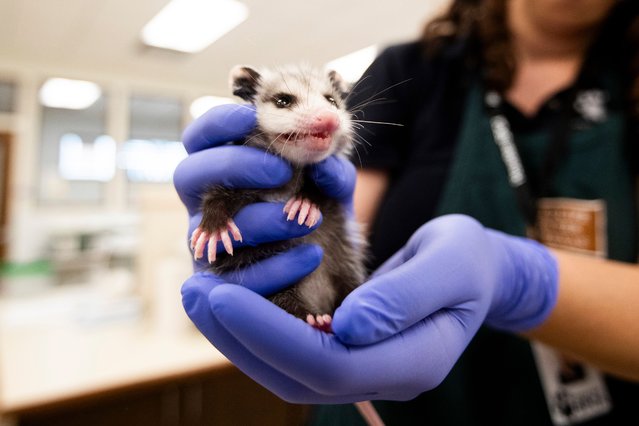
(369, 190)
(596, 317)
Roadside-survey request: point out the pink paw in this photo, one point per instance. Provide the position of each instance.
(320, 322)
(307, 212)
(200, 237)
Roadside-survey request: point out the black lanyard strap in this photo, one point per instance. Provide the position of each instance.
(505, 141)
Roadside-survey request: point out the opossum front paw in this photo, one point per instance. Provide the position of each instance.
(200, 237)
(306, 211)
(321, 322)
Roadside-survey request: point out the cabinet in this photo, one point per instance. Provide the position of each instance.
(224, 397)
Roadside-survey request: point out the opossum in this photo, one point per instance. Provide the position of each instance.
(301, 116)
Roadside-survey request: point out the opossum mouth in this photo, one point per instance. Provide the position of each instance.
(319, 141)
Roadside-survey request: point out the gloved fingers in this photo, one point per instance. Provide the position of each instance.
(229, 166)
(278, 272)
(221, 124)
(391, 263)
(395, 300)
(195, 299)
(399, 367)
(195, 296)
(266, 222)
(272, 379)
(258, 223)
(335, 176)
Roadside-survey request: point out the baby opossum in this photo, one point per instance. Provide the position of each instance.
(301, 116)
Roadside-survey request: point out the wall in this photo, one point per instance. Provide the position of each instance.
(29, 220)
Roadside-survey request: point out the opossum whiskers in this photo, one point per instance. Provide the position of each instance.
(284, 81)
(359, 108)
(253, 137)
(359, 122)
(270, 145)
(374, 99)
(359, 157)
(356, 85)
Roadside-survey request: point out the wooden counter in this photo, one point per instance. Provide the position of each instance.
(125, 372)
(50, 365)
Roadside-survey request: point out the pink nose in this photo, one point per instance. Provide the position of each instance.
(324, 122)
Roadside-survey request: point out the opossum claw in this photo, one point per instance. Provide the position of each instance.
(194, 237)
(293, 208)
(198, 248)
(313, 216)
(226, 241)
(235, 231)
(212, 249)
(306, 211)
(320, 322)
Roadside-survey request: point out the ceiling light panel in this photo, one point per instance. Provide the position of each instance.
(192, 25)
(69, 94)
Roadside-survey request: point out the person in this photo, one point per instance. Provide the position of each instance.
(435, 335)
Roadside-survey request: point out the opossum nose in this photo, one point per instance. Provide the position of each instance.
(325, 122)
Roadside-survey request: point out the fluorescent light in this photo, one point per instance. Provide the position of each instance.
(352, 66)
(70, 94)
(205, 103)
(192, 25)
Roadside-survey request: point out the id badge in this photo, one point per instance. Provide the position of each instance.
(575, 392)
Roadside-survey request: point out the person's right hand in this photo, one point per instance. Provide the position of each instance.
(213, 161)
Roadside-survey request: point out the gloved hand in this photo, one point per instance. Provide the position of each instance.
(397, 335)
(212, 161)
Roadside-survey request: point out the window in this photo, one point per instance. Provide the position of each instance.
(7, 97)
(86, 160)
(77, 157)
(153, 149)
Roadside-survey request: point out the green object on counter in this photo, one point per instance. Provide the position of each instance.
(17, 269)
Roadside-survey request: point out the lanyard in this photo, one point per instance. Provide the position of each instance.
(505, 141)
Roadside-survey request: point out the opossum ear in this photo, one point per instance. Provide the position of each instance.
(338, 83)
(244, 82)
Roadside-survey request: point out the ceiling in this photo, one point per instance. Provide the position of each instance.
(102, 36)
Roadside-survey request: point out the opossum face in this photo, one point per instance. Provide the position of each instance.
(300, 111)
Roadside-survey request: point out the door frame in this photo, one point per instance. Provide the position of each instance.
(5, 177)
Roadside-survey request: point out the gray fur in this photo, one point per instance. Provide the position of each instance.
(342, 268)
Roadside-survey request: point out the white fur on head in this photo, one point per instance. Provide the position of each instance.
(312, 92)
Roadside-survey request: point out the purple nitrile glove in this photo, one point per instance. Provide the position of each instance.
(397, 335)
(212, 161)
(336, 177)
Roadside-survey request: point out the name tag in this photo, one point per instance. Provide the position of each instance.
(575, 392)
(573, 225)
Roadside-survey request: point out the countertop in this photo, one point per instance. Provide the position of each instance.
(65, 355)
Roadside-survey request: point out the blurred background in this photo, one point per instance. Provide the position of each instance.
(94, 96)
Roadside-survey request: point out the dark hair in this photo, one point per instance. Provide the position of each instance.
(484, 23)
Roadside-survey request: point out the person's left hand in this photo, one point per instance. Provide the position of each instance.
(397, 335)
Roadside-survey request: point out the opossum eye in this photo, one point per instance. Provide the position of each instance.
(331, 100)
(283, 100)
